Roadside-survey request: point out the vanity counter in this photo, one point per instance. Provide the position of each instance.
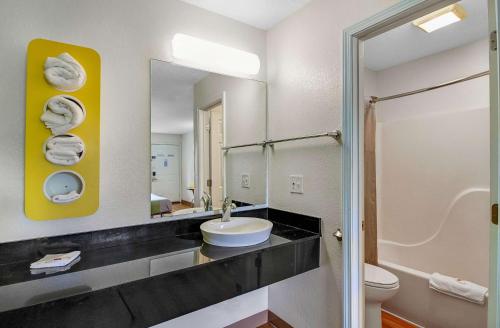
(144, 275)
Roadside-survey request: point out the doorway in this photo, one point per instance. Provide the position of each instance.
(211, 155)
(354, 157)
(166, 171)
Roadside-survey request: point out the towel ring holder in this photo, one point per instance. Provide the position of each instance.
(73, 99)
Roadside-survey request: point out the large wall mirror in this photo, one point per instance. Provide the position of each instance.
(195, 116)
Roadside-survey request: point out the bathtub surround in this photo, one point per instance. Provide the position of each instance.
(447, 191)
(159, 270)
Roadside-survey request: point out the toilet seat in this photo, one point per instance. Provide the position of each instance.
(380, 278)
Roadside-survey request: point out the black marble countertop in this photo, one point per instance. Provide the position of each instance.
(144, 275)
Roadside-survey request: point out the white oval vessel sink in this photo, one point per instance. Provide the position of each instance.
(239, 232)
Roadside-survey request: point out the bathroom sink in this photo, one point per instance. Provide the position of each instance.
(238, 232)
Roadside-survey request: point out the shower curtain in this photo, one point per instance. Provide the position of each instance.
(370, 183)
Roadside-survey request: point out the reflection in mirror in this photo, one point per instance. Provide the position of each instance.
(194, 115)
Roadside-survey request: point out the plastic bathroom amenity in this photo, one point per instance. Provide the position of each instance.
(67, 138)
(55, 260)
(63, 113)
(66, 149)
(64, 187)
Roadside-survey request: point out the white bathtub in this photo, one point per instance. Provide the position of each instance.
(416, 302)
(458, 247)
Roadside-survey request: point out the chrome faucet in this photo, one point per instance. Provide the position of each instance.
(207, 201)
(227, 206)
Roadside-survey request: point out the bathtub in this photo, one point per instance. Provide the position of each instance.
(419, 304)
(458, 247)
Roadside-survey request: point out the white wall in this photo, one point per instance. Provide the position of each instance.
(433, 164)
(442, 67)
(304, 76)
(245, 118)
(251, 161)
(127, 34)
(224, 313)
(187, 165)
(166, 139)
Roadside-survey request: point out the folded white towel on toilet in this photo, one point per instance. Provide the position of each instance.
(64, 72)
(62, 115)
(455, 287)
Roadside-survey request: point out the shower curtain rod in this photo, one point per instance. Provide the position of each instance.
(374, 99)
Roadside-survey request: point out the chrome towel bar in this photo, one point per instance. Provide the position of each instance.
(336, 134)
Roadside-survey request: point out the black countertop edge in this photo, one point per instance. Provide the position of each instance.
(18, 272)
(301, 221)
(32, 249)
(150, 301)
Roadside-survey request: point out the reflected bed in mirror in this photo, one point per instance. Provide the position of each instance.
(194, 115)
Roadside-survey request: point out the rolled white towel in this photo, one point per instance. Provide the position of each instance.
(62, 114)
(455, 287)
(66, 198)
(64, 72)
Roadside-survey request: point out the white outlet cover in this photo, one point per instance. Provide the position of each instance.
(296, 184)
(245, 180)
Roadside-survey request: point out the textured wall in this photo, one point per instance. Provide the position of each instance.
(304, 76)
(245, 122)
(127, 34)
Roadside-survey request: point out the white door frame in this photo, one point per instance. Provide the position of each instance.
(218, 99)
(352, 173)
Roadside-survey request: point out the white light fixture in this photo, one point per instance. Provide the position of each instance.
(441, 18)
(194, 52)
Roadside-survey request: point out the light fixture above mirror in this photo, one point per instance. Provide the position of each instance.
(202, 54)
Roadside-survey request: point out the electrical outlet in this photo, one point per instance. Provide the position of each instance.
(245, 180)
(296, 184)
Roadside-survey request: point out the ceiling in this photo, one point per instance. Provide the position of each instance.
(263, 14)
(172, 98)
(408, 42)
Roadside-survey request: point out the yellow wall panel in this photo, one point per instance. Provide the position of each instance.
(37, 168)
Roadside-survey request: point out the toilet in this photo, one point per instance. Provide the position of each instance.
(380, 286)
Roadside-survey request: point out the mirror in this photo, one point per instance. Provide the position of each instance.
(195, 116)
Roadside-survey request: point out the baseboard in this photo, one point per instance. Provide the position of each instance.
(264, 319)
(187, 203)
